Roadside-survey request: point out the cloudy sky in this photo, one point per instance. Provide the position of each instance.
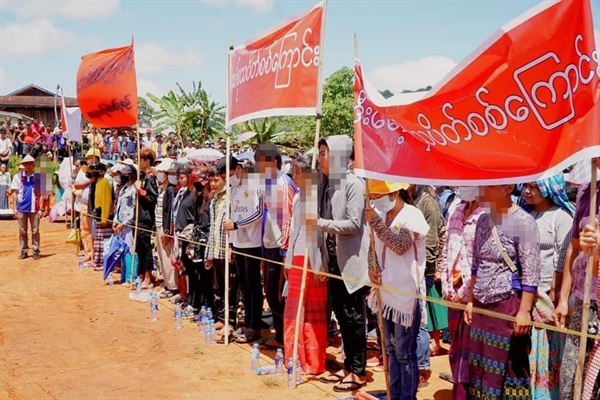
(404, 44)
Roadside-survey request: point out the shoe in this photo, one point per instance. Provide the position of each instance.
(23, 256)
(36, 256)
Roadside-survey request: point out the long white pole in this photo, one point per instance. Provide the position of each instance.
(300, 311)
(585, 313)
(227, 202)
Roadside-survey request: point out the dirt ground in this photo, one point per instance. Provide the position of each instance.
(64, 334)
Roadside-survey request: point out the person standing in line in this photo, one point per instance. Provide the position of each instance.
(30, 205)
(246, 226)
(147, 191)
(279, 192)
(164, 240)
(457, 256)
(103, 213)
(341, 202)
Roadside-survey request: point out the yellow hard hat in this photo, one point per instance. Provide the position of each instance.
(384, 187)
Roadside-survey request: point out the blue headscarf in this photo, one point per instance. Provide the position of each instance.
(553, 187)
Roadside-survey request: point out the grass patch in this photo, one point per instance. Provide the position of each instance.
(271, 381)
(198, 351)
(140, 331)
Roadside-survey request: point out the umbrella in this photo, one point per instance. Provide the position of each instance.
(580, 174)
(204, 155)
(117, 249)
(246, 155)
(245, 137)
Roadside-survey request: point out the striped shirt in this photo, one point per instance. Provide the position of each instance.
(216, 237)
(554, 225)
(159, 209)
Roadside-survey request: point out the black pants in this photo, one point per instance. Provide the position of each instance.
(200, 281)
(143, 248)
(350, 311)
(273, 285)
(248, 269)
(218, 271)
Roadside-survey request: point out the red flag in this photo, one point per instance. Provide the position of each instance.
(107, 88)
(526, 105)
(279, 73)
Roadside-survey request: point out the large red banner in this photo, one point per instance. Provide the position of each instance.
(277, 74)
(527, 104)
(107, 88)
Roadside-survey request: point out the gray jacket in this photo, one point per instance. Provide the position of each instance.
(348, 215)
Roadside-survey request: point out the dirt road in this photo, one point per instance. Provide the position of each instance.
(64, 334)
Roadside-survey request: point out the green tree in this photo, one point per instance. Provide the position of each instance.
(338, 103)
(145, 112)
(193, 115)
(264, 128)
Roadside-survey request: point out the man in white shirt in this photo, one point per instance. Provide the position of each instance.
(246, 226)
(148, 140)
(5, 146)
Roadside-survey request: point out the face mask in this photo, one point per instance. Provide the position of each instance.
(160, 176)
(468, 193)
(124, 179)
(89, 175)
(173, 180)
(234, 181)
(383, 205)
(198, 186)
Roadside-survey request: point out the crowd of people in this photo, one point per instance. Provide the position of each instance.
(516, 250)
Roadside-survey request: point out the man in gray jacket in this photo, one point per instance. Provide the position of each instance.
(341, 218)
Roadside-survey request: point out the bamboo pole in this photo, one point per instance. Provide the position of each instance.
(227, 203)
(137, 209)
(585, 314)
(300, 311)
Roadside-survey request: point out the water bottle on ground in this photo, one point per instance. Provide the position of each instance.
(202, 320)
(138, 287)
(268, 370)
(255, 358)
(178, 317)
(290, 372)
(111, 281)
(209, 313)
(298, 373)
(207, 332)
(81, 264)
(279, 362)
(213, 332)
(154, 306)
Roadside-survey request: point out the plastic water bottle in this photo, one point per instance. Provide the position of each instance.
(111, 281)
(154, 306)
(138, 287)
(255, 358)
(268, 370)
(213, 332)
(279, 362)
(201, 320)
(290, 372)
(209, 313)
(298, 373)
(81, 264)
(178, 317)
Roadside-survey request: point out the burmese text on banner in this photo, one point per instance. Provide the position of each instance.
(525, 105)
(277, 74)
(107, 88)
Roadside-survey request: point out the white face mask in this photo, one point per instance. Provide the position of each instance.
(383, 205)
(160, 176)
(173, 180)
(234, 181)
(468, 193)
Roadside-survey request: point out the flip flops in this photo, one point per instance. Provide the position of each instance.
(349, 386)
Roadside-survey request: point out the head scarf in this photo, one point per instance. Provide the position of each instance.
(553, 187)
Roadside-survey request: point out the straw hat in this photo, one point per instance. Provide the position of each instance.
(27, 159)
(384, 187)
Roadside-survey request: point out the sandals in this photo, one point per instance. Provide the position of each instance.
(249, 336)
(349, 386)
(446, 377)
(332, 378)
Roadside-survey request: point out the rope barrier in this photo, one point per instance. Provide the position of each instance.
(448, 304)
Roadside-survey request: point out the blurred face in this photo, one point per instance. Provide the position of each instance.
(496, 194)
(267, 167)
(183, 180)
(324, 159)
(3, 168)
(28, 167)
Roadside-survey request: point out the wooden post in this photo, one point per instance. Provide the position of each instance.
(137, 209)
(585, 313)
(300, 311)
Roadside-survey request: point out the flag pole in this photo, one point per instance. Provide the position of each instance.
(585, 313)
(137, 200)
(319, 116)
(227, 200)
(377, 292)
(70, 155)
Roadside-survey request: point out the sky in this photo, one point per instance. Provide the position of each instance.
(403, 44)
